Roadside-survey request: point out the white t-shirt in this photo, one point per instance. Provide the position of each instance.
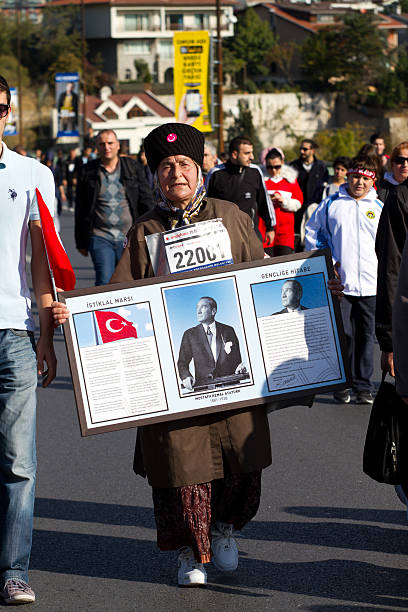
(19, 177)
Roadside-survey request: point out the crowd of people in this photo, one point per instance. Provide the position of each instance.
(205, 471)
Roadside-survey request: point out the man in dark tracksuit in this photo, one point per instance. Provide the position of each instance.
(112, 192)
(312, 174)
(241, 182)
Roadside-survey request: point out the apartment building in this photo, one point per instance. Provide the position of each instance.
(123, 31)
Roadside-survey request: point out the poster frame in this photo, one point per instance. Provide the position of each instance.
(176, 280)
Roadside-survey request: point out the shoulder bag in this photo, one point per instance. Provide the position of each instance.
(385, 457)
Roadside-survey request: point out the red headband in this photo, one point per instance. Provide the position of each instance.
(363, 171)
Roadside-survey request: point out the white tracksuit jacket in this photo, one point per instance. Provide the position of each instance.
(348, 227)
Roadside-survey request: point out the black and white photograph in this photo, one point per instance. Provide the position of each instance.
(208, 341)
(296, 331)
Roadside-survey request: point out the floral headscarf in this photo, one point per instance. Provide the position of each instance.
(178, 216)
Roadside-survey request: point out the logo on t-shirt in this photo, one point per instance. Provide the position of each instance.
(12, 194)
(370, 214)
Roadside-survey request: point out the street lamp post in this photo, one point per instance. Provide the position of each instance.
(19, 85)
(220, 113)
(83, 73)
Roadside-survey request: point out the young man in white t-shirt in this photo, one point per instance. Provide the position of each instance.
(20, 359)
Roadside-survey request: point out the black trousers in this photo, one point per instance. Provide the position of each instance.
(358, 314)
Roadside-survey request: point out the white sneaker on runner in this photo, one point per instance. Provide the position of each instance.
(224, 547)
(191, 573)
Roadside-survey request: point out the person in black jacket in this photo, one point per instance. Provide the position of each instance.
(312, 174)
(241, 182)
(112, 192)
(390, 240)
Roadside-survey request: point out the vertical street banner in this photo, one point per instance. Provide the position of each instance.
(67, 103)
(191, 92)
(11, 128)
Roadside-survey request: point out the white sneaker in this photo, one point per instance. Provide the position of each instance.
(224, 547)
(17, 591)
(191, 573)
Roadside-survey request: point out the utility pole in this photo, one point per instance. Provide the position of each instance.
(83, 72)
(220, 122)
(19, 85)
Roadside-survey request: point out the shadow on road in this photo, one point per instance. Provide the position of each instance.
(90, 512)
(368, 515)
(135, 560)
(333, 535)
(139, 560)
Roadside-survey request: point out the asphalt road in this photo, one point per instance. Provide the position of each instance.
(326, 537)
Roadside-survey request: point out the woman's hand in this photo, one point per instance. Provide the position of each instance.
(60, 313)
(277, 198)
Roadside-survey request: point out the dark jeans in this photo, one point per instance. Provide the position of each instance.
(105, 255)
(358, 321)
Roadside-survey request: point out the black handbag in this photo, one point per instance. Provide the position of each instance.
(385, 457)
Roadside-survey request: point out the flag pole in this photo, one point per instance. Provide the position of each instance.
(95, 328)
(54, 288)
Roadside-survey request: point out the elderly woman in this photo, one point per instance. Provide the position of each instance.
(205, 471)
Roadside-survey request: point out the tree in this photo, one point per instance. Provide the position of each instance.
(66, 62)
(390, 92)
(243, 126)
(349, 59)
(282, 55)
(43, 44)
(251, 44)
(231, 64)
(143, 72)
(342, 141)
(320, 60)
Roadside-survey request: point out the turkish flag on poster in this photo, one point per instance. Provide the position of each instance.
(58, 261)
(114, 327)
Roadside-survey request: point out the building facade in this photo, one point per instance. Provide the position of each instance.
(123, 31)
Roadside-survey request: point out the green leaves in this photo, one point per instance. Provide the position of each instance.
(348, 59)
(251, 45)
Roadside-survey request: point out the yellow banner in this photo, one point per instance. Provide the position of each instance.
(191, 57)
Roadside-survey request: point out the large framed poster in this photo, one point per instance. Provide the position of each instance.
(205, 341)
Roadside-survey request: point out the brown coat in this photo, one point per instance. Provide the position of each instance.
(194, 450)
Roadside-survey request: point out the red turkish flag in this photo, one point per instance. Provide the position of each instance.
(58, 261)
(114, 327)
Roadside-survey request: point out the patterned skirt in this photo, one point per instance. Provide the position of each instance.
(184, 514)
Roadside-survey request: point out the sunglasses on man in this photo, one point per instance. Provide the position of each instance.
(269, 166)
(4, 109)
(400, 160)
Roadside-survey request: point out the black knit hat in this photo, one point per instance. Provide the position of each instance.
(173, 139)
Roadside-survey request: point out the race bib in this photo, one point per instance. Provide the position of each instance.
(192, 247)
